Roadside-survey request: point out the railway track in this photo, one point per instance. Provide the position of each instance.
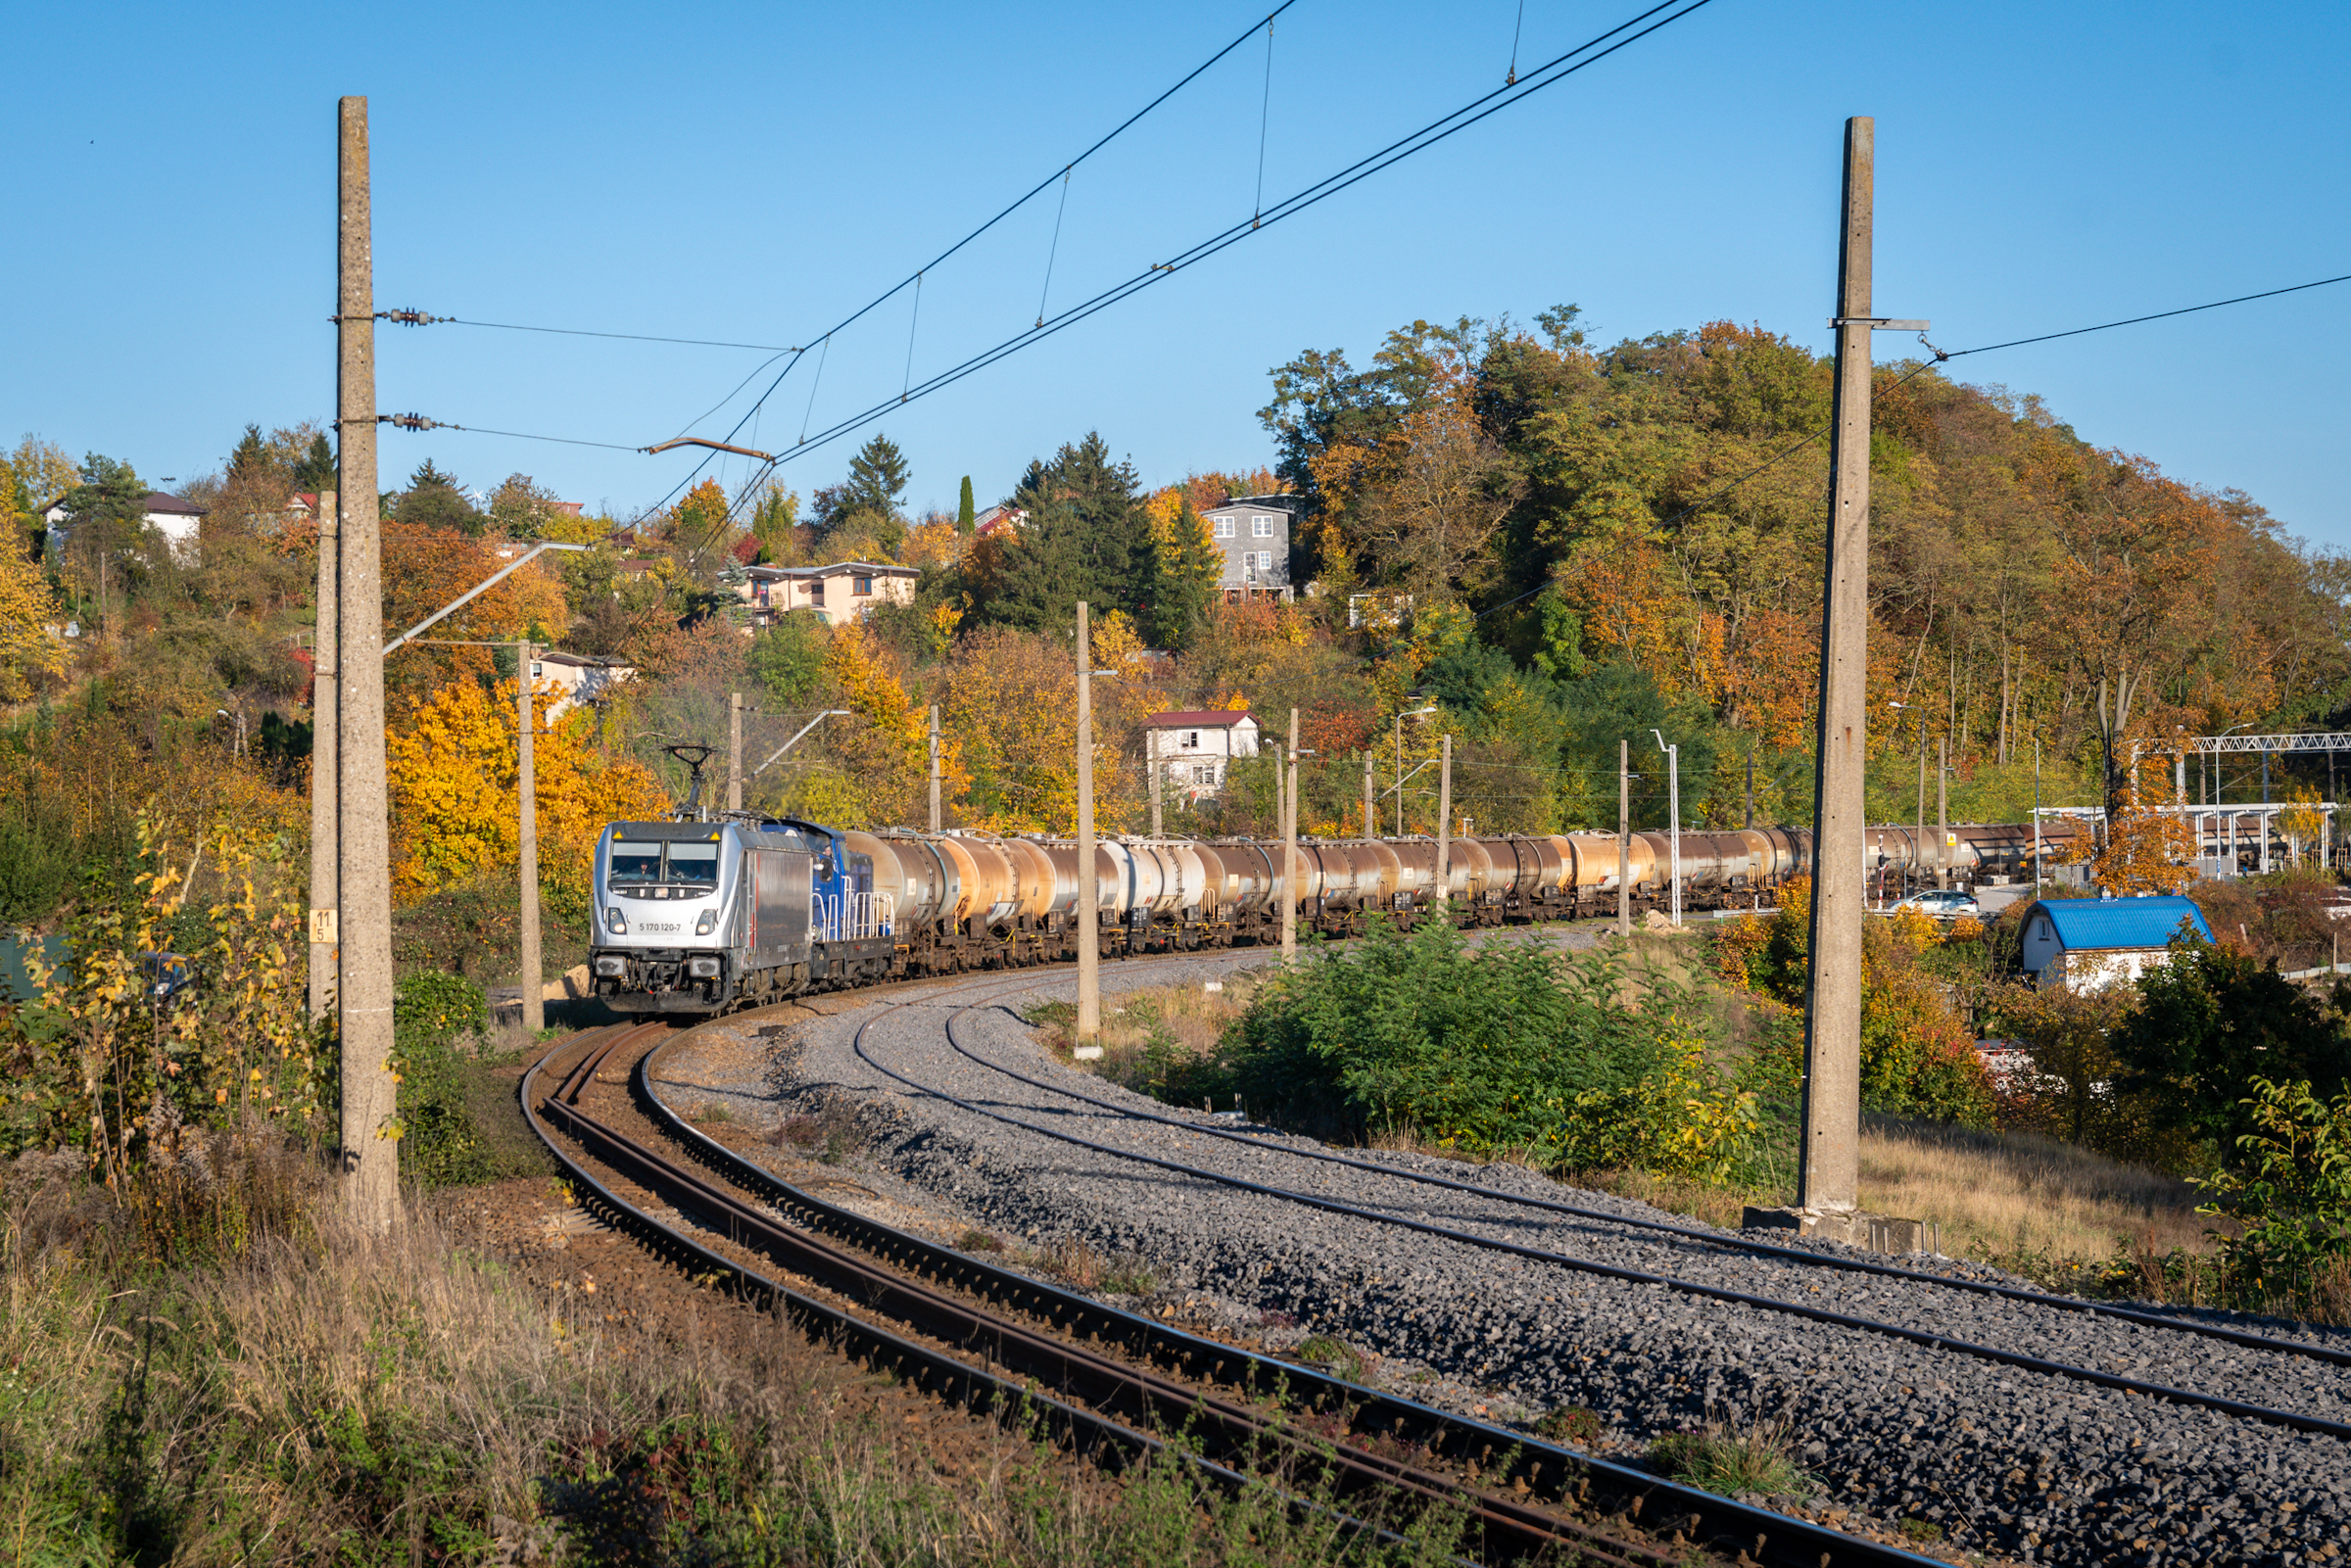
(997, 1339)
(2300, 1421)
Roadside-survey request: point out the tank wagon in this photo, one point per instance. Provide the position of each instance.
(708, 915)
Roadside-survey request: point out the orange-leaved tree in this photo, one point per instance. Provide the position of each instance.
(453, 771)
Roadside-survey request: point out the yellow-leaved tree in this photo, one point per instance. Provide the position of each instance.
(454, 769)
(885, 744)
(28, 608)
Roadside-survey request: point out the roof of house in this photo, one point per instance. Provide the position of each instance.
(836, 569)
(584, 661)
(1199, 719)
(2084, 923)
(158, 501)
(1281, 499)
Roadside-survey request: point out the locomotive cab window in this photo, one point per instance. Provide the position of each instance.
(696, 863)
(634, 861)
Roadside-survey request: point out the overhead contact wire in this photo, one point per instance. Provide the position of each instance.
(1363, 169)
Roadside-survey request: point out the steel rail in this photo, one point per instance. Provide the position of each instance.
(947, 1377)
(1764, 1535)
(1509, 1530)
(2238, 1409)
(2245, 1337)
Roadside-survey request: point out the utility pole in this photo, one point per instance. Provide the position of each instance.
(934, 774)
(1445, 823)
(2037, 818)
(1624, 837)
(1827, 1164)
(1151, 754)
(1288, 788)
(1918, 872)
(1942, 811)
(1371, 825)
(733, 744)
(1673, 798)
(363, 885)
(1089, 1045)
(526, 805)
(1400, 776)
(327, 816)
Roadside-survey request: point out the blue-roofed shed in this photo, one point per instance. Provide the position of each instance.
(2087, 944)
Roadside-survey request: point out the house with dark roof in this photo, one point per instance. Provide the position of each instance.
(1197, 746)
(1252, 533)
(2091, 944)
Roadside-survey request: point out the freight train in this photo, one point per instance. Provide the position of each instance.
(705, 917)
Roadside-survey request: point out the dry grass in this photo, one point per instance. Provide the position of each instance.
(2019, 1193)
(2015, 1198)
(325, 1395)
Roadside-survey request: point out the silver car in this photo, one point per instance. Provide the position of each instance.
(1944, 903)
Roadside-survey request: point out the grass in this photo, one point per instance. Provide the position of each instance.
(294, 1391)
(2042, 1207)
(1160, 1040)
(1730, 1462)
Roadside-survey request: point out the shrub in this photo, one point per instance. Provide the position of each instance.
(2291, 1187)
(440, 1144)
(1918, 1055)
(1511, 1047)
(2209, 1022)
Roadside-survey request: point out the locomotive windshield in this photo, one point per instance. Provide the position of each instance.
(634, 861)
(694, 863)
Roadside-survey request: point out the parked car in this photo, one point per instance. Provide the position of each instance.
(1943, 903)
(167, 975)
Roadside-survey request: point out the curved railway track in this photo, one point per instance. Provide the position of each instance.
(996, 1340)
(1926, 1338)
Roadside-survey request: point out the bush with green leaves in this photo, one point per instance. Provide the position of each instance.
(1512, 1047)
(2289, 1187)
(2210, 1022)
(431, 1013)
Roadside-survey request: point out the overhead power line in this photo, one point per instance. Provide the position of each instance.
(1558, 70)
(2160, 315)
(420, 318)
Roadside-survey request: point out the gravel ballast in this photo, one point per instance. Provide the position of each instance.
(2002, 1460)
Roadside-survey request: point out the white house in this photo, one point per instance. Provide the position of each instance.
(1253, 535)
(2093, 944)
(580, 679)
(176, 519)
(1197, 746)
(844, 591)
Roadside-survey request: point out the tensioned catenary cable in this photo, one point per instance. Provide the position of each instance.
(1428, 136)
(1940, 357)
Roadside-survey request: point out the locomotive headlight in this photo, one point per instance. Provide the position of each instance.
(615, 922)
(707, 924)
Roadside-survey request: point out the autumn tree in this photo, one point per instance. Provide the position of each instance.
(455, 770)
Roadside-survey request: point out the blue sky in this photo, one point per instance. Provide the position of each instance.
(755, 173)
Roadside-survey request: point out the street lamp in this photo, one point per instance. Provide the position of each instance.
(1416, 713)
(1673, 798)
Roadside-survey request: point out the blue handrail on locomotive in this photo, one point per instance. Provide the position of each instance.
(708, 916)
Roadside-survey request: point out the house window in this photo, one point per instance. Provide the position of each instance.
(538, 671)
(1265, 561)
(1223, 528)
(1192, 740)
(1262, 527)
(816, 592)
(1205, 774)
(862, 585)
